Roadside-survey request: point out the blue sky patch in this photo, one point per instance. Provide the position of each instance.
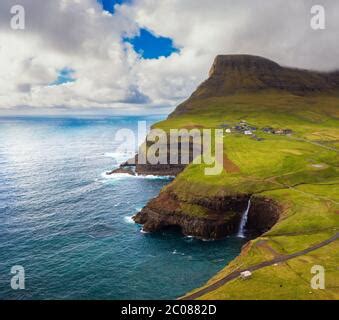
(108, 5)
(65, 75)
(150, 46)
(146, 44)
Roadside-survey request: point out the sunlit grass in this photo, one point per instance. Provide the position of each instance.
(300, 172)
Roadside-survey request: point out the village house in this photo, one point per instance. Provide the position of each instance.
(288, 131)
(277, 131)
(268, 129)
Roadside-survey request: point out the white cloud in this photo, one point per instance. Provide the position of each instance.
(59, 34)
(77, 34)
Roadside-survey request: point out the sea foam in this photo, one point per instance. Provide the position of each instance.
(119, 176)
(128, 219)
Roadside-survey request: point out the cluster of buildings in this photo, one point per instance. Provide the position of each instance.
(247, 129)
(277, 131)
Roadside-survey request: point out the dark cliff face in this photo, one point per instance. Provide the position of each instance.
(166, 211)
(150, 169)
(232, 74)
(222, 215)
(264, 213)
(159, 169)
(166, 169)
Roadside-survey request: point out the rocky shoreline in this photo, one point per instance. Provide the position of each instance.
(132, 167)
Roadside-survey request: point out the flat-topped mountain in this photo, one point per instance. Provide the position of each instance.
(234, 74)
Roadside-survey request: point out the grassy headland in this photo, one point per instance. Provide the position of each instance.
(299, 171)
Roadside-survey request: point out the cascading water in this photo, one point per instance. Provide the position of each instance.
(241, 231)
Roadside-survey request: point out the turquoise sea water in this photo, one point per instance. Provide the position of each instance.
(70, 227)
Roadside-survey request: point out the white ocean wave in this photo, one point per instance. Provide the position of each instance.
(120, 176)
(154, 177)
(128, 219)
(118, 154)
(115, 176)
(178, 253)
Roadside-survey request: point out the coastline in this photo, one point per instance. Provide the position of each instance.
(288, 167)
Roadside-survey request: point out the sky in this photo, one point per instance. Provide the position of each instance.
(146, 56)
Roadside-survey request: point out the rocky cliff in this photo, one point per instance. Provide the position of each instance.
(208, 218)
(167, 169)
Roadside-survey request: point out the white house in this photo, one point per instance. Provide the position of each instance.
(228, 130)
(248, 132)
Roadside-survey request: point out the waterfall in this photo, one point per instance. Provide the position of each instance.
(241, 231)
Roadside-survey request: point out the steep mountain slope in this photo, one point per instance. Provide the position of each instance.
(234, 74)
(289, 170)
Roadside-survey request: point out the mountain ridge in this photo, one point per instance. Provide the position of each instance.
(234, 74)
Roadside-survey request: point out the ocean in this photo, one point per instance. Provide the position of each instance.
(70, 226)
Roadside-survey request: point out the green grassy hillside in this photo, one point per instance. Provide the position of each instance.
(300, 171)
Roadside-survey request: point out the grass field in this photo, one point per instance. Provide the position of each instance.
(299, 171)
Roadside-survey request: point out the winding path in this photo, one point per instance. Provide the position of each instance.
(235, 274)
